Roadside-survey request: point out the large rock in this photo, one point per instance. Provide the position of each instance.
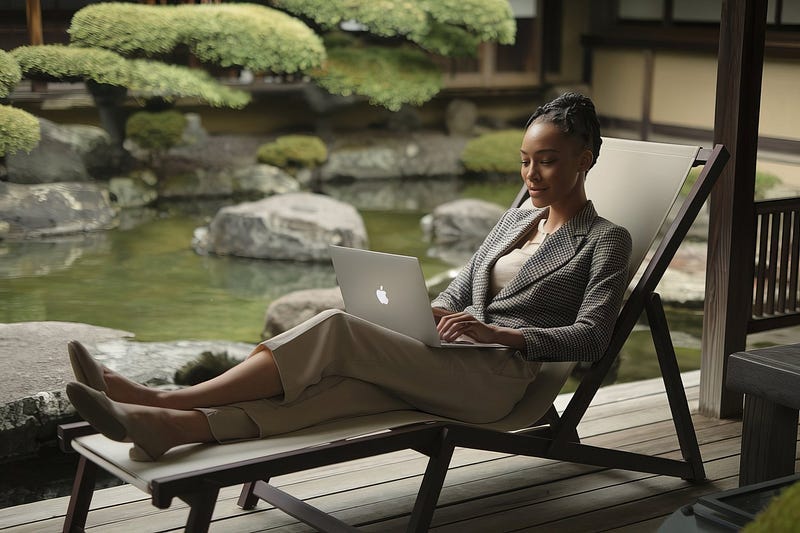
(53, 209)
(295, 226)
(250, 180)
(297, 307)
(263, 180)
(414, 155)
(138, 189)
(36, 368)
(394, 194)
(457, 228)
(461, 223)
(74, 152)
(192, 182)
(460, 117)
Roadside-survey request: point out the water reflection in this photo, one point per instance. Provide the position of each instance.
(252, 278)
(43, 257)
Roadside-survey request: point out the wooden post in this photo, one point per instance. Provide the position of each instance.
(647, 94)
(33, 10)
(731, 236)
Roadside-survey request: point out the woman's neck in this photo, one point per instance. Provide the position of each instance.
(558, 215)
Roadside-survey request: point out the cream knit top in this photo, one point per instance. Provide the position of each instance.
(510, 264)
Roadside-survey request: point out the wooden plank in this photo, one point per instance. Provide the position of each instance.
(783, 280)
(772, 267)
(761, 266)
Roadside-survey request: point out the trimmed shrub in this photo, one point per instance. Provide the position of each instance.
(294, 151)
(19, 130)
(386, 18)
(485, 20)
(171, 82)
(246, 35)
(148, 78)
(157, 132)
(489, 20)
(388, 76)
(67, 63)
(493, 152)
(10, 73)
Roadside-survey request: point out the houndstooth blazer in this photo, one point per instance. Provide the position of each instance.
(566, 297)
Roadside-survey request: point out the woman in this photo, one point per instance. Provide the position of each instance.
(547, 283)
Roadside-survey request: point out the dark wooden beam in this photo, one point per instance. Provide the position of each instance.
(33, 11)
(731, 235)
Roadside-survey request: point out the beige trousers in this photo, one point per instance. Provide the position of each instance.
(336, 365)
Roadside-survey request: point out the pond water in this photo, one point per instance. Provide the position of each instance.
(147, 279)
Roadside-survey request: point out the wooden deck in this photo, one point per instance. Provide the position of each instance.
(483, 491)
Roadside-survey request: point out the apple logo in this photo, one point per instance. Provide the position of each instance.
(382, 297)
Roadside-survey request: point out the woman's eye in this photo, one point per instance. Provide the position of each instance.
(525, 163)
(547, 162)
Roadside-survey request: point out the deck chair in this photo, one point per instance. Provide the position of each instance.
(634, 184)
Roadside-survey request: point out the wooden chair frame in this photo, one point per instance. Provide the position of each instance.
(553, 437)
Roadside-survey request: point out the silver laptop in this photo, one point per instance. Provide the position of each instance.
(389, 290)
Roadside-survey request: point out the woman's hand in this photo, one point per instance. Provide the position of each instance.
(453, 325)
(439, 312)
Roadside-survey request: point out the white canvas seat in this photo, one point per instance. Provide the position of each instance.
(633, 184)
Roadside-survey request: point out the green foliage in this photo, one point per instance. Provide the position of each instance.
(209, 365)
(386, 18)
(153, 78)
(246, 35)
(66, 63)
(294, 151)
(497, 151)
(128, 29)
(148, 78)
(441, 26)
(10, 73)
(764, 182)
(19, 130)
(156, 131)
(782, 514)
(448, 40)
(489, 20)
(388, 76)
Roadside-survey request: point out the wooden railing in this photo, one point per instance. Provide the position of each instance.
(777, 265)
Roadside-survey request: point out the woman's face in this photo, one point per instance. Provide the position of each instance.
(552, 166)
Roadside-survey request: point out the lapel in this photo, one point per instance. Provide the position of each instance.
(557, 250)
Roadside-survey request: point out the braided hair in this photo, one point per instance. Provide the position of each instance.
(575, 116)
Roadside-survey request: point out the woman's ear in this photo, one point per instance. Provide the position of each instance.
(585, 160)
